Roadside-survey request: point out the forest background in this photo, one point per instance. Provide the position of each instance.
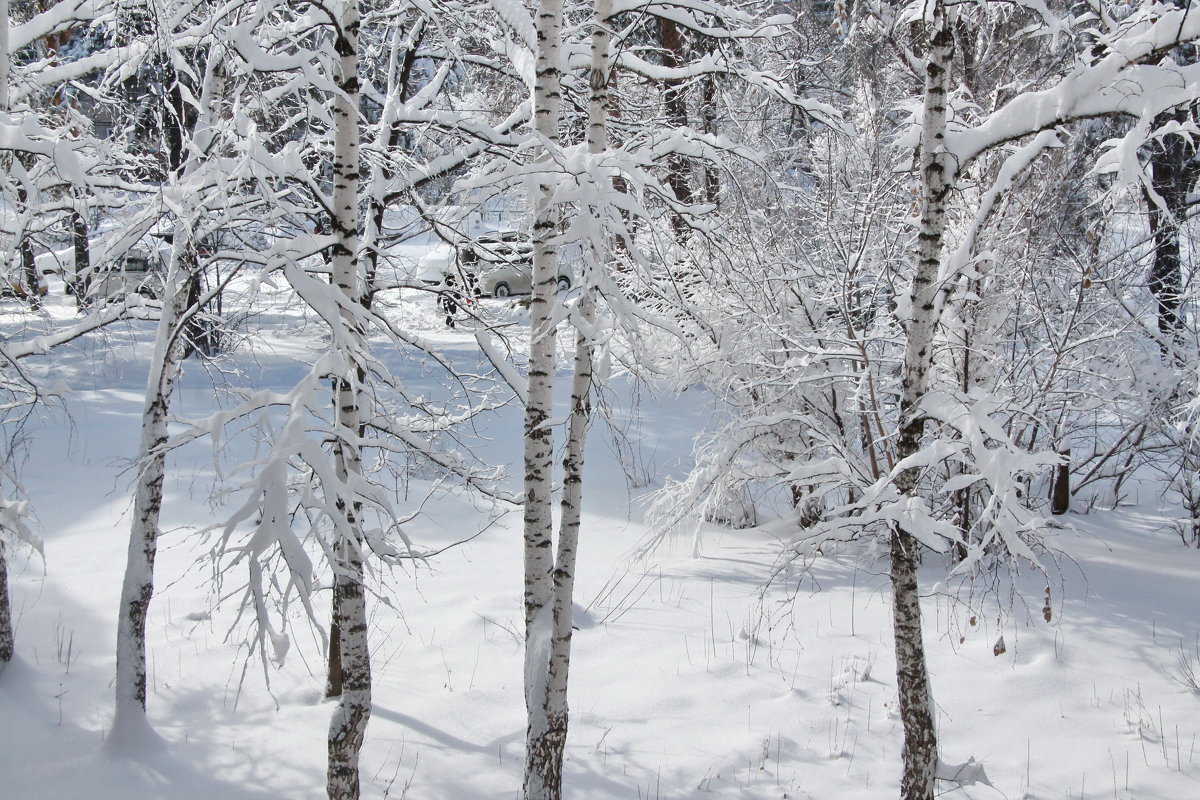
(897, 296)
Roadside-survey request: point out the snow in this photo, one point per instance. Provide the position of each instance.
(691, 676)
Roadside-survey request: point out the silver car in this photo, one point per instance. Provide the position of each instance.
(500, 264)
(134, 274)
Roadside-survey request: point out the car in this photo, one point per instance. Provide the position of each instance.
(500, 264)
(136, 273)
(432, 267)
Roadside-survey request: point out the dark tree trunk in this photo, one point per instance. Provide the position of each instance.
(675, 105)
(1172, 172)
(29, 272)
(30, 283)
(7, 642)
(333, 678)
(81, 282)
(708, 113)
(201, 336)
(1060, 490)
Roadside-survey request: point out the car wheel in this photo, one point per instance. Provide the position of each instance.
(564, 283)
(502, 290)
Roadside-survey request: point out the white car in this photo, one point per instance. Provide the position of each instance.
(435, 265)
(135, 274)
(500, 264)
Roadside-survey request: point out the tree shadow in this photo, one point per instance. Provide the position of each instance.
(52, 757)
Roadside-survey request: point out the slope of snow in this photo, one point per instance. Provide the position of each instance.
(691, 677)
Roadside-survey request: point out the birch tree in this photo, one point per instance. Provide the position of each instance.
(943, 156)
(613, 201)
(312, 519)
(201, 196)
(544, 692)
(917, 712)
(191, 185)
(892, 475)
(548, 723)
(348, 726)
(50, 166)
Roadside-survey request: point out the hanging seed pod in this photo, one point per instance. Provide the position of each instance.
(998, 648)
(1046, 613)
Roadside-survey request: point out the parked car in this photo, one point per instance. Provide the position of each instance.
(135, 274)
(433, 267)
(500, 264)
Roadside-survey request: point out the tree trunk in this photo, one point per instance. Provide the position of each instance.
(81, 281)
(400, 79)
(544, 738)
(5, 56)
(675, 105)
(348, 724)
(1060, 491)
(912, 674)
(1171, 175)
(138, 586)
(568, 537)
(936, 175)
(333, 675)
(557, 711)
(30, 279)
(708, 113)
(7, 642)
(193, 329)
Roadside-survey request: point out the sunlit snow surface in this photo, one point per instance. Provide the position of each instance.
(690, 677)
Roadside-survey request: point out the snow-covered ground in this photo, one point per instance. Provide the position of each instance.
(691, 677)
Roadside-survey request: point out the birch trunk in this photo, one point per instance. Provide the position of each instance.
(556, 706)
(137, 588)
(544, 738)
(920, 752)
(348, 724)
(555, 711)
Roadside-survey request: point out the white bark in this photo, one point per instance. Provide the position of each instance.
(936, 177)
(545, 737)
(548, 662)
(556, 709)
(138, 586)
(348, 725)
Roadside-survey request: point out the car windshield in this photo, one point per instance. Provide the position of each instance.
(509, 238)
(507, 246)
